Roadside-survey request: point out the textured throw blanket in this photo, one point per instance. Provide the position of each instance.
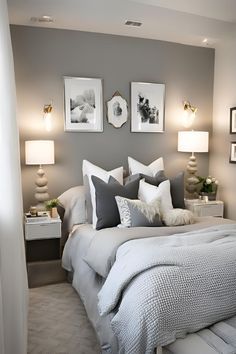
(162, 288)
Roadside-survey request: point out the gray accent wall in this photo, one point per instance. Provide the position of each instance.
(43, 56)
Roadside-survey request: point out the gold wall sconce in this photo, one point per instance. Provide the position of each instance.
(189, 114)
(47, 110)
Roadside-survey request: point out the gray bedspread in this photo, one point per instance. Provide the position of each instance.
(164, 287)
(101, 253)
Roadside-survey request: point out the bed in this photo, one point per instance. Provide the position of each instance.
(148, 287)
(99, 260)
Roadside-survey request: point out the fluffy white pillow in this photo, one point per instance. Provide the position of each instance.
(176, 217)
(150, 170)
(147, 193)
(73, 201)
(89, 170)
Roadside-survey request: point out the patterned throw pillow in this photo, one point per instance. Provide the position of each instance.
(135, 213)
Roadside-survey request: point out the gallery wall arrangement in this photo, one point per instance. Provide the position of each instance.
(84, 102)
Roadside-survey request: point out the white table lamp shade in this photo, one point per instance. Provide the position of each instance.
(193, 141)
(39, 152)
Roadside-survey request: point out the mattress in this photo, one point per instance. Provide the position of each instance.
(89, 254)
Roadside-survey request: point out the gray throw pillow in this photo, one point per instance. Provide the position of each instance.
(135, 213)
(177, 190)
(106, 207)
(89, 207)
(176, 185)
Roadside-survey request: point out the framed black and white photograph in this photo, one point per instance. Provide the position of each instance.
(232, 157)
(147, 107)
(233, 120)
(83, 104)
(117, 110)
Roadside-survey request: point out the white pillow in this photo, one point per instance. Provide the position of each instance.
(147, 193)
(150, 170)
(178, 217)
(89, 170)
(73, 201)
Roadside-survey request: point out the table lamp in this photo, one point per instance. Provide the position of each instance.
(40, 152)
(192, 141)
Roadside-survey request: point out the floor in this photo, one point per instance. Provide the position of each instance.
(58, 323)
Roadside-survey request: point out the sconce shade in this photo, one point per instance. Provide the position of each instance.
(193, 141)
(39, 152)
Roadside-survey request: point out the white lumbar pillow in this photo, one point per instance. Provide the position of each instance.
(150, 170)
(147, 193)
(90, 170)
(177, 217)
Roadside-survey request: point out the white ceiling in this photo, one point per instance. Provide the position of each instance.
(183, 21)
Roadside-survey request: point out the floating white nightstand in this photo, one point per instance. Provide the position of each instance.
(202, 208)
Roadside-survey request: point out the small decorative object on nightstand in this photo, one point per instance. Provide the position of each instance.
(43, 250)
(209, 187)
(51, 205)
(205, 208)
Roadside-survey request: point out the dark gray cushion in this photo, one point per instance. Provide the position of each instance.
(176, 185)
(177, 190)
(89, 207)
(106, 207)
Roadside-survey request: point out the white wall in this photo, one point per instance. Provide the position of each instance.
(13, 281)
(224, 98)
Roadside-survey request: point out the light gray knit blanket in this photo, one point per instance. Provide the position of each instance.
(162, 288)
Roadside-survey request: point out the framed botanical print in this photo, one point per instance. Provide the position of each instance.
(117, 110)
(83, 104)
(147, 107)
(232, 157)
(233, 120)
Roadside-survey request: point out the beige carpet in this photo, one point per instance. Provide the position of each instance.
(58, 323)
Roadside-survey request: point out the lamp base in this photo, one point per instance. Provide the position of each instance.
(192, 180)
(40, 207)
(41, 190)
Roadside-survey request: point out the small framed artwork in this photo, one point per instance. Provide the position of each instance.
(83, 104)
(232, 157)
(117, 110)
(147, 107)
(233, 120)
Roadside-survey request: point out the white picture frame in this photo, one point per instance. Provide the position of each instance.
(147, 107)
(233, 120)
(117, 110)
(232, 158)
(83, 104)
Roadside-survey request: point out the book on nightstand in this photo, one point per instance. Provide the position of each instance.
(41, 216)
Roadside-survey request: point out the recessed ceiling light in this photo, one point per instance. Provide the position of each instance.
(205, 40)
(44, 18)
(133, 23)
